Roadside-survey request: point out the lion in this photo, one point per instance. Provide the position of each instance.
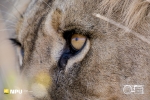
(85, 49)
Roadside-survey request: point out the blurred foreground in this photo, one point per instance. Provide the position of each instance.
(9, 66)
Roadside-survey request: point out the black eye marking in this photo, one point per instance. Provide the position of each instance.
(17, 43)
(63, 60)
(69, 51)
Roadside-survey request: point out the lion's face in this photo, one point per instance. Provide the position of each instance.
(70, 54)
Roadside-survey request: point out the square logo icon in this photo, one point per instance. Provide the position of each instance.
(6, 91)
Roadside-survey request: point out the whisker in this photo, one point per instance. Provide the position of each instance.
(9, 14)
(143, 38)
(17, 10)
(8, 21)
(11, 26)
(47, 4)
(5, 30)
(3, 6)
(37, 6)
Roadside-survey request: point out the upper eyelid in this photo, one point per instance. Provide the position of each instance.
(16, 42)
(77, 31)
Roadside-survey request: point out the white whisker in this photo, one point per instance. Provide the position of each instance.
(8, 21)
(5, 30)
(143, 38)
(47, 4)
(13, 7)
(4, 6)
(9, 14)
(11, 26)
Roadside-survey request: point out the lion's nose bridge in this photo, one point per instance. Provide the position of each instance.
(44, 58)
(57, 48)
(37, 71)
(45, 52)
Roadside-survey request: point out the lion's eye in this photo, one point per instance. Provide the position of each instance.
(78, 41)
(74, 44)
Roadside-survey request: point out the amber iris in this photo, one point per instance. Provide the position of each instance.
(78, 41)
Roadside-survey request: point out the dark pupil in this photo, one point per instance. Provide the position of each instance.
(76, 39)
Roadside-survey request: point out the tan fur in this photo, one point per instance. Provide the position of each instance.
(112, 58)
(56, 18)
